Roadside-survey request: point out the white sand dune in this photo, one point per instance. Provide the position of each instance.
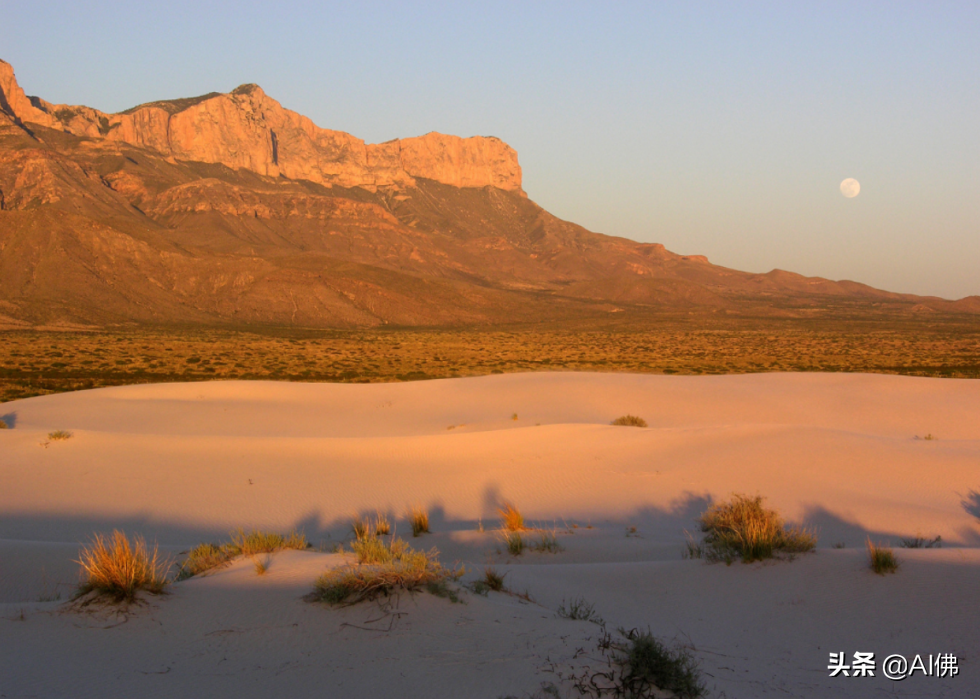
(185, 463)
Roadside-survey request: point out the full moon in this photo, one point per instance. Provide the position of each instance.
(850, 188)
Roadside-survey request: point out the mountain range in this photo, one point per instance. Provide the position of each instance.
(229, 210)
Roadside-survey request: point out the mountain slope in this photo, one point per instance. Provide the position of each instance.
(230, 209)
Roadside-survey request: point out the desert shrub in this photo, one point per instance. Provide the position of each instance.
(641, 667)
(361, 527)
(511, 518)
(630, 421)
(261, 566)
(514, 542)
(205, 557)
(371, 549)
(382, 527)
(114, 567)
(385, 568)
(547, 543)
(3, 425)
(59, 435)
(419, 519)
(493, 580)
(255, 541)
(579, 610)
(743, 528)
(919, 542)
(881, 559)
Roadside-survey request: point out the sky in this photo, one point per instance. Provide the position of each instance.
(716, 128)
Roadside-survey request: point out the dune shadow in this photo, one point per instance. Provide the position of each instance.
(10, 419)
(971, 503)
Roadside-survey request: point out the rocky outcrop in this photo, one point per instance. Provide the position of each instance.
(247, 129)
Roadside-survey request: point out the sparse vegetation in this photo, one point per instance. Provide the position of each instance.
(382, 527)
(882, 559)
(36, 363)
(579, 609)
(3, 425)
(743, 528)
(208, 556)
(641, 667)
(261, 566)
(547, 543)
(382, 569)
(116, 568)
(60, 435)
(929, 437)
(514, 416)
(918, 542)
(514, 542)
(511, 518)
(418, 517)
(361, 527)
(491, 581)
(630, 421)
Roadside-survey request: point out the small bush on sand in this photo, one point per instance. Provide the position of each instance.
(385, 568)
(205, 557)
(493, 580)
(59, 435)
(882, 559)
(382, 527)
(3, 425)
(261, 565)
(361, 527)
(419, 519)
(579, 610)
(919, 542)
(743, 528)
(547, 543)
(511, 518)
(116, 568)
(641, 667)
(514, 542)
(630, 421)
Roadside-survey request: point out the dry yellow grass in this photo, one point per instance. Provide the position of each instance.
(743, 528)
(881, 559)
(418, 517)
(114, 567)
(511, 518)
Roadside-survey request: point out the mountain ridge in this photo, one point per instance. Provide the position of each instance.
(230, 209)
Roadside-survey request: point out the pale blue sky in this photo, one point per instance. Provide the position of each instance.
(716, 128)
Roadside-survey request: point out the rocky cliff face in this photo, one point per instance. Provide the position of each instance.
(246, 129)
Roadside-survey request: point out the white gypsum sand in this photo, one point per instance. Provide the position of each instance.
(187, 463)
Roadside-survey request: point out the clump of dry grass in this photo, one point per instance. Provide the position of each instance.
(261, 566)
(547, 543)
(361, 527)
(383, 568)
(743, 528)
(882, 559)
(60, 435)
(514, 542)
(3, 425)
(205, 557)
(920, 542)
(114, 567)
(630, 421)
(511, 518)
(382, 527)
(418, 517)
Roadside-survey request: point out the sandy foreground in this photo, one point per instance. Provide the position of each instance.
(186, 463)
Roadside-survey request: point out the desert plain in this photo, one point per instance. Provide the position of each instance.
(850, 456)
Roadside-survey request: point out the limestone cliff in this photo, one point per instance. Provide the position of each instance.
(247, 129)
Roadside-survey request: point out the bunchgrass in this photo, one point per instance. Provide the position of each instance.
(646, 664)
(547, 543)
(881, 558)
(59, 435)
(3, 425)
(511, 518)
(382, 527)
(116, 568)
(630, 421)
(382, 569)
(261, 566)
(743, 528)
(514, 542)
(208, 556)
(493, 580)
(579, 610)
(918, 542)
(418, 518)
(361, 527)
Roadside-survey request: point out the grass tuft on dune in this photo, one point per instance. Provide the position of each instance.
(207, 556)
(743, 528)
(116, 568)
